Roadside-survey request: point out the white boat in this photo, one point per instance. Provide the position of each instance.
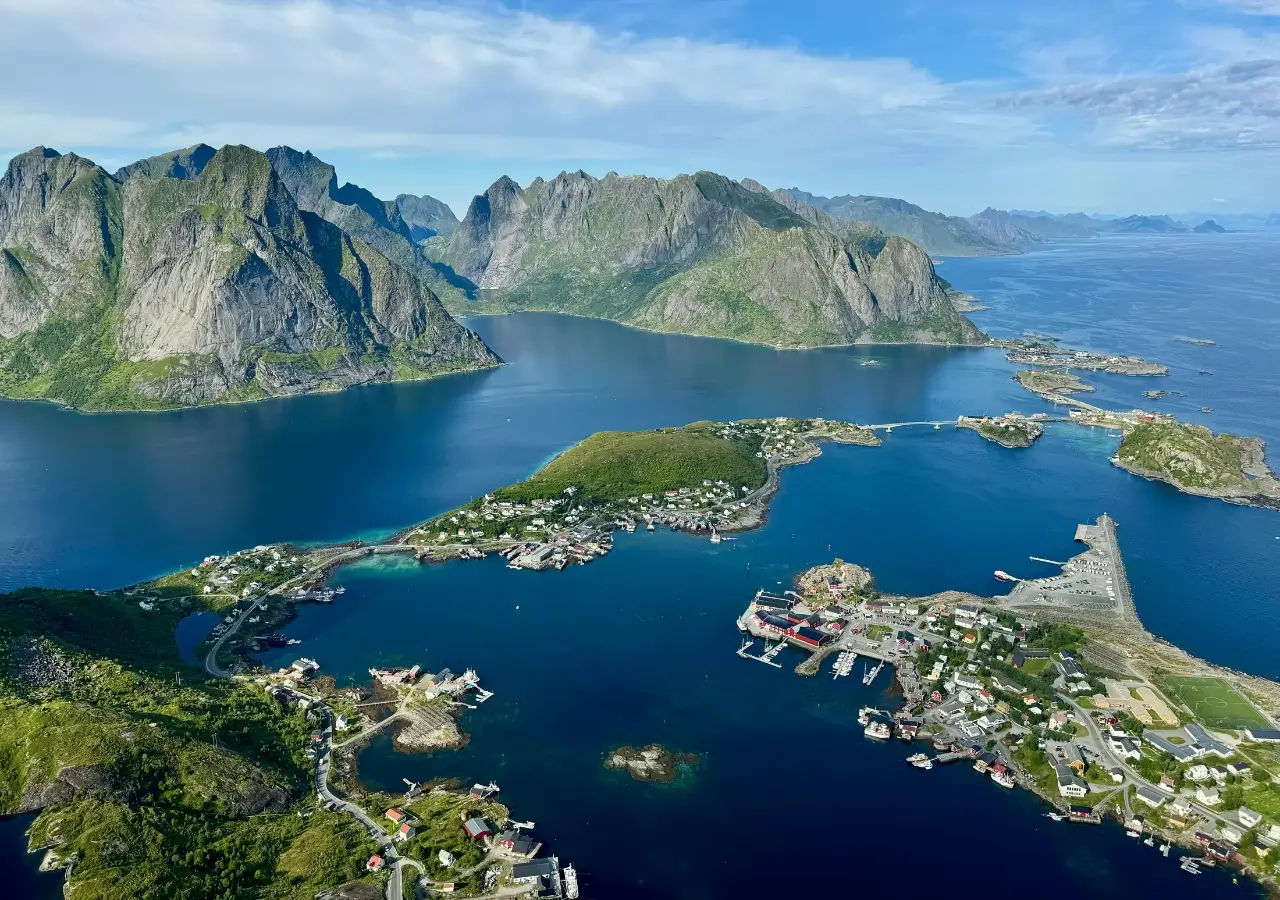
(879, 730)
(570, 883)
(1150, 841)
(715, 536)
(1055, 816)
(1002, 778)
(916, 758)
(1164, 849)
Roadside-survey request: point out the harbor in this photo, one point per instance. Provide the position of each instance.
(965, 667)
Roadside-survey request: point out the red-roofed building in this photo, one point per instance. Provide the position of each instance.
(375, 863)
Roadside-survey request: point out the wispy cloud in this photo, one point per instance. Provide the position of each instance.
(384, 78)
(1253, 7)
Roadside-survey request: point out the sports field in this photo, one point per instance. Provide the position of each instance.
(1213, 701)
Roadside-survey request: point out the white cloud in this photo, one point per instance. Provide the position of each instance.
(1253, 7)
(426, 78)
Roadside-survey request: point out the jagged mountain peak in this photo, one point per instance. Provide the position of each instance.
(702, 254)
(165, 290)
(188, 162)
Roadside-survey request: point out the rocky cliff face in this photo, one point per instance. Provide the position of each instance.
(378, 223)
(700, 254)
(426, 216)
(211, 285)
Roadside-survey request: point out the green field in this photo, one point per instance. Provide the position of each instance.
(1213, 701)
(614, 465)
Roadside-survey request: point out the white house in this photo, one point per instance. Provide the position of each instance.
(1208, 796)
(1248, 818)
(1198, 773)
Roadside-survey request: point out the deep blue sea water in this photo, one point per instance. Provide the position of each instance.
(639, 647)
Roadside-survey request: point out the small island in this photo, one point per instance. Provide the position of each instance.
(1010, 430)
(1031, 354)
(1052, 381)
(652, 762)
(1193, 459)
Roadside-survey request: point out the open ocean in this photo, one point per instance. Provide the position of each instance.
(789, 798)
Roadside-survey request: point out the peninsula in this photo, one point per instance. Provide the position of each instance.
(1057, 688)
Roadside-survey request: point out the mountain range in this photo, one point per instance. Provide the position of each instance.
(202, 276)
(699, 254)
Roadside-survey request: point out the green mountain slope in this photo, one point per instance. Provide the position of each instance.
(699, 254)
(161, 291)
(155, 787)
(938, 234)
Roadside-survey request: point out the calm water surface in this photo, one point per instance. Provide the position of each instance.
(639, 647)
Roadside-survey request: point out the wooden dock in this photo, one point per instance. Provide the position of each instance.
(768, 657)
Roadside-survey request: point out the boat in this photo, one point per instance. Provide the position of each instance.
(868, 712)
(1205, 409)
(879, 729)
(1131, 833)
(571, 882)
(715, 536)
(870, 675)
(1057, 817)
(1002, 777)
(1150, 841)
(917, 758)
(1002, 575)
(1190, 864)
(649, 527)
(1164, 849)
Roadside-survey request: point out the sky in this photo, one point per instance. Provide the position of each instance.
(1115, 106)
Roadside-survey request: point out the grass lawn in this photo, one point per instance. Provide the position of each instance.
(613, 465)
(1036, 666)
(1213, 701)
(1261, 798)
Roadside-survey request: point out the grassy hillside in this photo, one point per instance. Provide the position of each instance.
(1188, 455)
(159, 786)
(613, 465)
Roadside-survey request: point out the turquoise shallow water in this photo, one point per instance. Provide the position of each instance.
(639, 646)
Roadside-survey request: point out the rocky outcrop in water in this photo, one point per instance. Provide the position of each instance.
(196, 280)
(699, 254)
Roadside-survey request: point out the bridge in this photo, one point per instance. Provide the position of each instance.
(892, 425)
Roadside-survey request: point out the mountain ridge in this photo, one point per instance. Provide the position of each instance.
(699, 254)
(198, 279)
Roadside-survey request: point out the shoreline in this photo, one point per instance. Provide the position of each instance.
(65, 407)
(985, 344)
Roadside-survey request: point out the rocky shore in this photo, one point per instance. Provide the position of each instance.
(1011, 430)
(652, 762)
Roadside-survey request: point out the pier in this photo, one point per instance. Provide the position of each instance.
(768, 657)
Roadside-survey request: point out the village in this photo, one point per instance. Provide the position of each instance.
(546, 532)
(1031, 700)
(458, 843)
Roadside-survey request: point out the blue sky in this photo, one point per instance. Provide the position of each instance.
(1123, 106)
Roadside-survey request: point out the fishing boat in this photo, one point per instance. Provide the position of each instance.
(916, 758)
(571, 883)
(1057, 817)
(868, 712)
(1190, 864)
(879, 729)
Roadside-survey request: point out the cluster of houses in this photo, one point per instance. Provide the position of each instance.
(238, 572)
